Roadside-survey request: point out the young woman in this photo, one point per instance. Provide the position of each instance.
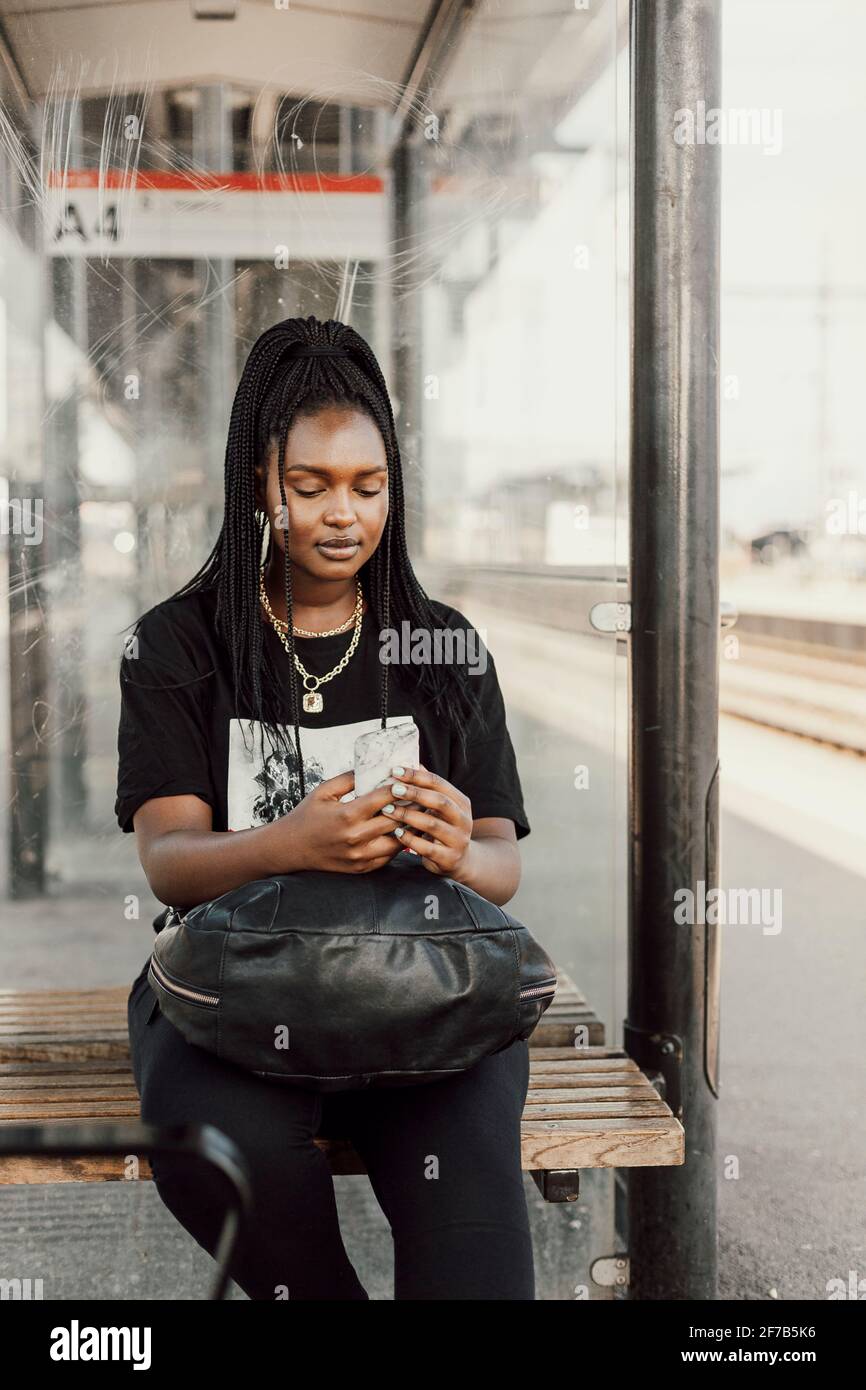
(242, 696)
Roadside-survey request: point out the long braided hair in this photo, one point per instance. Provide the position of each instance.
(295, 368)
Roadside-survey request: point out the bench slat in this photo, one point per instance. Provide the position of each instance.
(17, 1038)
(99, 1168)
(81, 1066)
(61, 1095)
(22, 1113)
(67, 1050)
(553, 1061)
(59, 1007)
(23, 997)
(562, 1095)
(61, 1082)
(579, 1108)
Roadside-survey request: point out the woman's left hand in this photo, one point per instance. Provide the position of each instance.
(446, 818)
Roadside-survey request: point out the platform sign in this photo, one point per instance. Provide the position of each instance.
(243, 216)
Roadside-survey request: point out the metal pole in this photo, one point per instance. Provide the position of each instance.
(25, 816)
(68, 279)
(406, 353)
(213, 145)
(672, 1024)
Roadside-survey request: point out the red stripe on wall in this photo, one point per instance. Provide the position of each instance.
(214, 182)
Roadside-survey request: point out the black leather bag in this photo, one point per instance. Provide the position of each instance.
(338, 981)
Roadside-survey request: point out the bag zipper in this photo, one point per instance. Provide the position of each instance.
(546, 987)
(195, 996)
(212, 1000)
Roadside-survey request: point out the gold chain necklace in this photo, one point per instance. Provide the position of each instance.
(313, 702)
(306, 632)
(302, 631)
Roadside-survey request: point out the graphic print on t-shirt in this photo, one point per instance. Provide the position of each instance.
(260, 790)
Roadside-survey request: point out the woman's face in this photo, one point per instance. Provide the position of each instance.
(336, 481)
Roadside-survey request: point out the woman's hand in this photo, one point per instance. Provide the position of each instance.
(188, 862)
(345, 837)
(445, 818)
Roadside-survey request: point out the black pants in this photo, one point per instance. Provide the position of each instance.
(443, 1159)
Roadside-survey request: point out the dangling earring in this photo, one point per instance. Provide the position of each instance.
(265, 550)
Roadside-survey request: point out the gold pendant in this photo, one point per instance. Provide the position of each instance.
(313, 702)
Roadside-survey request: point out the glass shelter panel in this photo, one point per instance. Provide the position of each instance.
(458, 193)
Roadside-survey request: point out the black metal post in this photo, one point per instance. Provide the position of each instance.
(672, 1024)
(406, 337)
(126, 1138)
(67, 725)
(213, 146)
(28, 778)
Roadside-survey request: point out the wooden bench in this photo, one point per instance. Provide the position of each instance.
(64, 1058)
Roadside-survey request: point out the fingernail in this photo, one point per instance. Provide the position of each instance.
(398, 771)
(398, 789)
(401, 830)
(388, 809)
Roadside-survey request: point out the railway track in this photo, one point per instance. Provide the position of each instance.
(815, 696)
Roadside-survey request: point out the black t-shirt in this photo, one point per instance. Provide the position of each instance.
(180, 733)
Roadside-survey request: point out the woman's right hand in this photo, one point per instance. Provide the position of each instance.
(188, 862)
(347, 837)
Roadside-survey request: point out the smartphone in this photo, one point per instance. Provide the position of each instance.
(378, 750)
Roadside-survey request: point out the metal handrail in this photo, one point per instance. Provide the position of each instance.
(134, 1136)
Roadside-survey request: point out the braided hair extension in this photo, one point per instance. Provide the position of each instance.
(277, 386)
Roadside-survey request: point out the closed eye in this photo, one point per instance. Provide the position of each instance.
(361, 491)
